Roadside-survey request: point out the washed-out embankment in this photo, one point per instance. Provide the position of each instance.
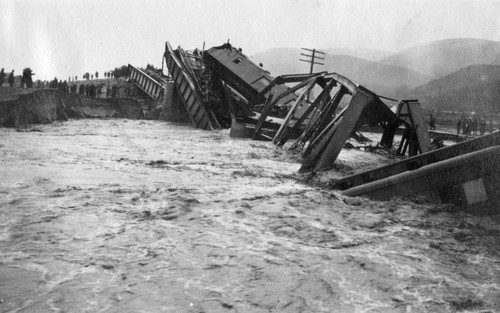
(48, 105)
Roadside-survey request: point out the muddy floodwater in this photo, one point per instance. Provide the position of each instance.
(147, 216)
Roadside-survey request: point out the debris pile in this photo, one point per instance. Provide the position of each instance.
(222, 88)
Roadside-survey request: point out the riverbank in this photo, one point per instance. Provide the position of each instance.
(23, 108)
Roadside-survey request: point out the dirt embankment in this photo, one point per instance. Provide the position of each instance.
(37, 107)
(107, 108)
(22, 109)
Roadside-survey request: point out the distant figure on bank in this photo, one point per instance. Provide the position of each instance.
(482, 127)
(11, 79)
(490, 126)
(459, 126)
(432, 122)
(2, 77)
(466, 126)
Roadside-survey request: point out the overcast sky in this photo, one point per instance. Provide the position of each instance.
(69, 37)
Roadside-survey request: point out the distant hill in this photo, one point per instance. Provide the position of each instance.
(443, 57)
(366, 54)
(380, 78)
(473, 88)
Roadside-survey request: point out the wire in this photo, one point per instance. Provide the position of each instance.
(387, 98)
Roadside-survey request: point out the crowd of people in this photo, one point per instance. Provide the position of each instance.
(9, 78)
(470, 125)
(72, 86)
(92, 90)
(88, 89)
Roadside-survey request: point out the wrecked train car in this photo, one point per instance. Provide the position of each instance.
(231, 66)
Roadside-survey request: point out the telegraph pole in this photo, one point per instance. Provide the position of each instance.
(311, 58)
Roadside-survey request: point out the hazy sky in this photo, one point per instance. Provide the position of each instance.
(69, 37)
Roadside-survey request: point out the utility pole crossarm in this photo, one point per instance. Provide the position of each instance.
(317, 51)
(311, 59)
(308, 55)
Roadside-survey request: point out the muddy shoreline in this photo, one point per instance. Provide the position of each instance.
(127, 215)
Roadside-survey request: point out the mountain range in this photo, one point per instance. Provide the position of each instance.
(443, 57)
(472, 88)
(382, 78)
(452, 74)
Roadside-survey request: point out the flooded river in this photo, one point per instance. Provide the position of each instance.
(147, 216)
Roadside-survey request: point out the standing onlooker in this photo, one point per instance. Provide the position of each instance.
(2, 77)
(11, 79)
(432, 122)
(482, 127)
